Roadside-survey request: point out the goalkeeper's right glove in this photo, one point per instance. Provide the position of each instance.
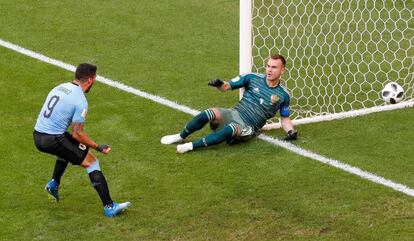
(216, 83)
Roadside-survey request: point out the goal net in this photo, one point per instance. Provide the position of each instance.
(339, 54)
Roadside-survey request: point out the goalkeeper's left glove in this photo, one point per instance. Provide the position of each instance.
(291, 135)
(216, 83)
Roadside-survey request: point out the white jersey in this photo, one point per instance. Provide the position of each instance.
(66, 103)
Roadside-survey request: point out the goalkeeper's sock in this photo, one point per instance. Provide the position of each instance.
(198, 122)
(60, 167)
(217, 137)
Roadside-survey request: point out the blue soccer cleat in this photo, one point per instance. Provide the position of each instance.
(52, 189)
(116, 209)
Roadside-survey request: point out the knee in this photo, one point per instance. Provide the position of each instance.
(215, 120)
(88, 161)
(236, 129)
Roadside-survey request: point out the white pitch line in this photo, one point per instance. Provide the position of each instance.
(99, 78)
(343, 166)
(335, 163)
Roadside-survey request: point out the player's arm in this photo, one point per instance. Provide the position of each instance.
(220, 84)
(287, 124)
(236, 83)
(80, 135)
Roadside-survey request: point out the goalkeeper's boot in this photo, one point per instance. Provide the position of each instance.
(185, 147)
(52, 189)
(170, 139)
(115, 209)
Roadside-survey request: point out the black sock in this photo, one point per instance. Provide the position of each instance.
(60, 168)
(99, 183)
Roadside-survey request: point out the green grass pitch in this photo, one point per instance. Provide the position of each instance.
(251, 191)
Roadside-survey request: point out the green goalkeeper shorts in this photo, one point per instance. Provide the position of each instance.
(232, 116)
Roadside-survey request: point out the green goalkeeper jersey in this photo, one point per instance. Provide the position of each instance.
(260, 102)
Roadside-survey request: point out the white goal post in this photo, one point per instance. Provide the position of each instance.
(339, 54)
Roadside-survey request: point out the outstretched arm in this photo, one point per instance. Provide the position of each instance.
(241, 81)
(287, 126)
(286, 123)
(220, 84)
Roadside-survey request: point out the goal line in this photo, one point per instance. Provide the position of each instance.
(343, 115)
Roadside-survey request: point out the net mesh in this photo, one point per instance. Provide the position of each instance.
(339, 54)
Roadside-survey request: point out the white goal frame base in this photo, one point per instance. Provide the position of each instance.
(343, 115)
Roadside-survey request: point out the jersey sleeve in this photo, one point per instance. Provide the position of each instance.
(284, 107)
(81, 109)
(240, 82)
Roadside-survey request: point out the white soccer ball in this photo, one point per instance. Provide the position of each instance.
(392, 93)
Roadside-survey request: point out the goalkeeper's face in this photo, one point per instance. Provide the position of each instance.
(274, 69)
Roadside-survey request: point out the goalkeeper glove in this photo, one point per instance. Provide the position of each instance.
(216, 83)
(101, 147)
(291, 135)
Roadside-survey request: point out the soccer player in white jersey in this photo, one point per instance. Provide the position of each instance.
(262, 98)
(66, 106)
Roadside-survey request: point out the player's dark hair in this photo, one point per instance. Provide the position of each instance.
(85, 71)
(278, 56)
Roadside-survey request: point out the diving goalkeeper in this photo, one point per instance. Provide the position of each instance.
(262, 98)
